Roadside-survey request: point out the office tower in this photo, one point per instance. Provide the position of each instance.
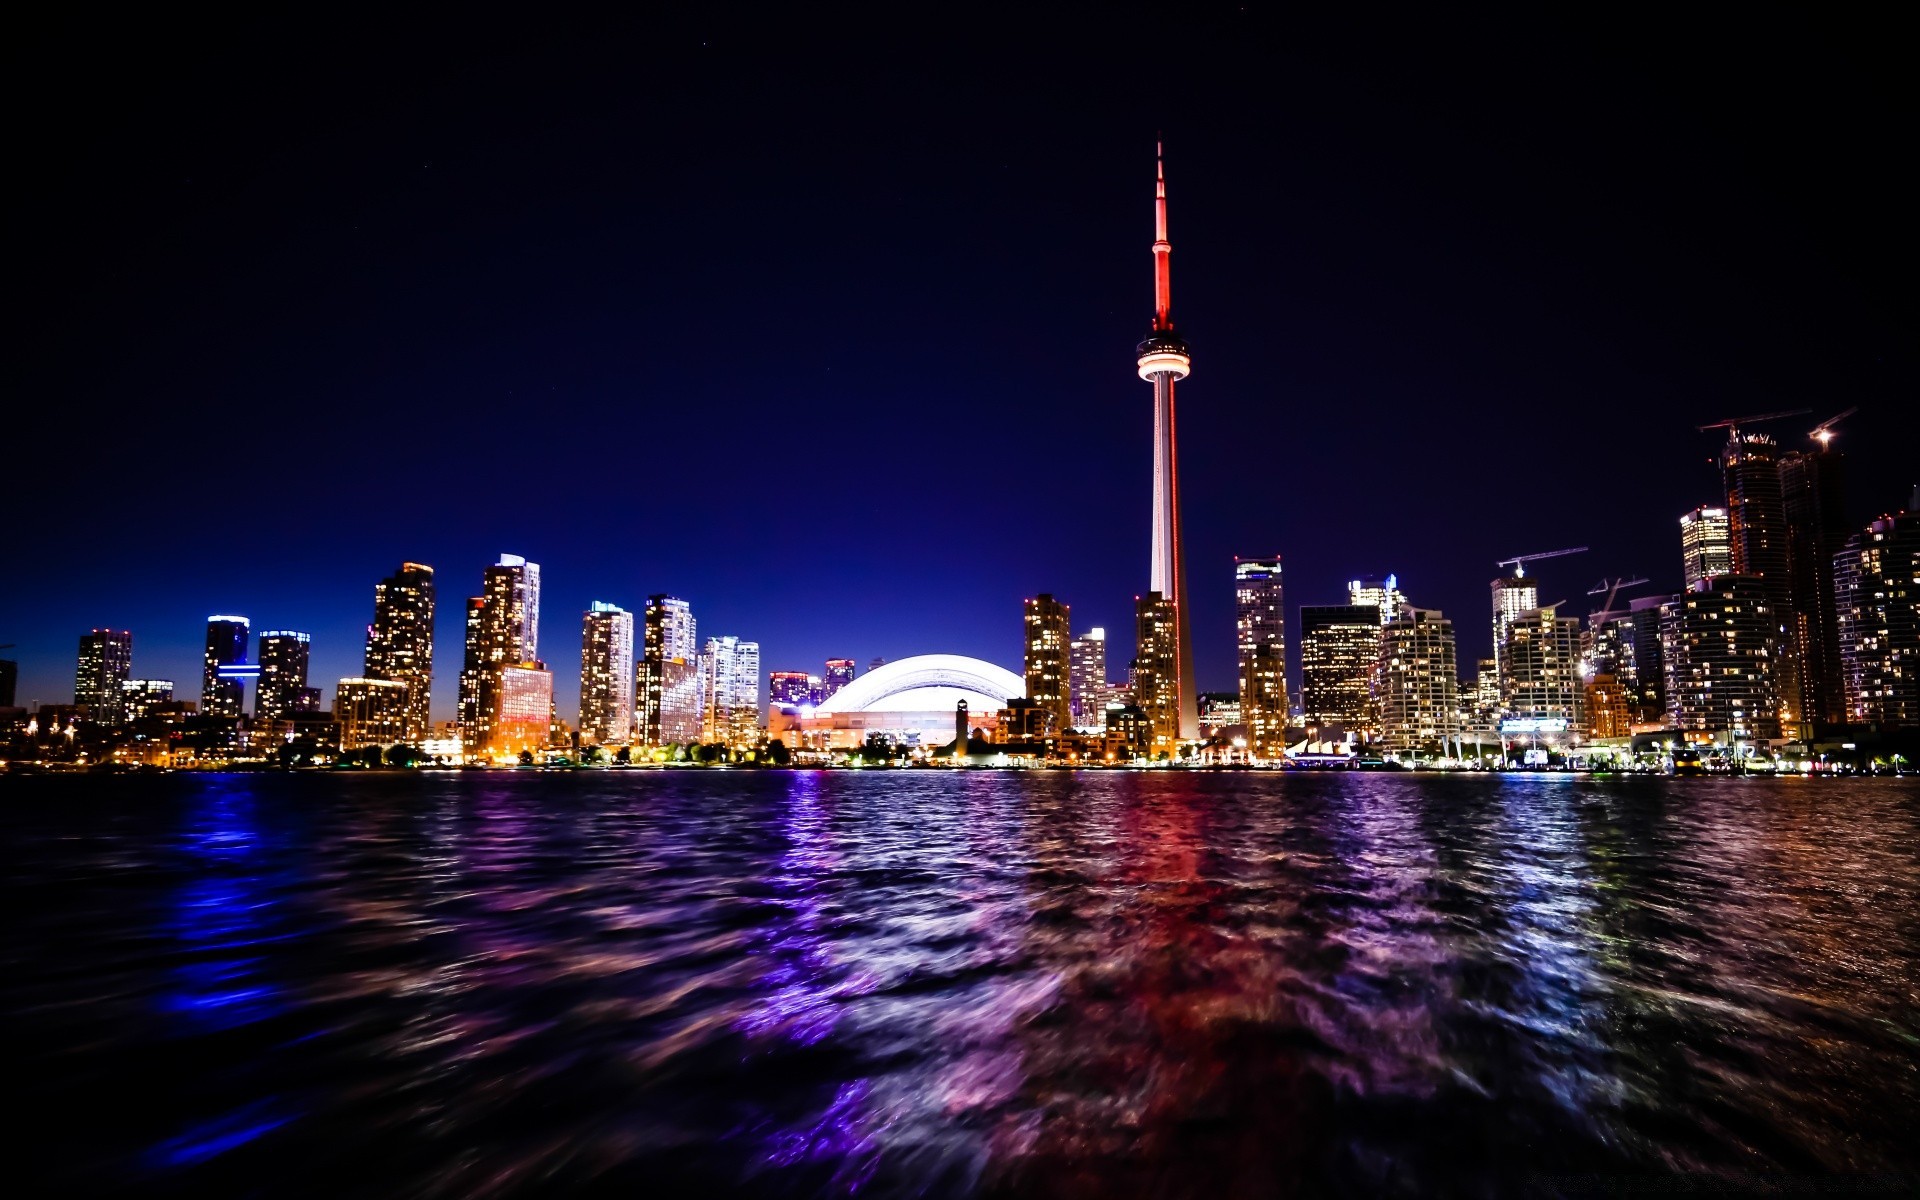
(1717, 640)
(104, 663)
(143, 698)
(1414, 681)
(730, 692)
(839, 674)
(1382, 594)
(524, 714)
(400, 642)
(9, 682)
(1877, 607)
(669, 674)
(281, 689)
(373, 712)
(1649, 683)
(606, 675)
(1089, 670)
(1758, 548)
(1048, 633)
(1512, 595)
(1706, 547)
(1540, 669)
(1339, 649)
(790, 689)
(1164, 359)
(1260, 627)
(1156, 670)
(503, 629)
(226, 647)
(1813, 499)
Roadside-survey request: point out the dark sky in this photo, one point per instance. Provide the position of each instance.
(828, 325)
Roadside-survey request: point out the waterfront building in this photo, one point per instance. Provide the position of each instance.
(281, 687)
(1089, 670)
(1706, 549)
(1164, 359)
(1609, 710)
(1540, 669)
(606, 675)
(1048, 634)
(103, 665)
(1877, 605)
(1758, 549)
(669, 674)
(1339, 649)
(1649, 683)
(227, 638)
(1156, 670)
(503, 631)
(840, 672)
(1260, 627)
(1383, 595)
(909, 702)
(400, 642)
(523, 719)
(1130, 733)
(1717, 641)
(730, 692)
(372, 712)
(1415, 680)
(1813, 500)
(144, 698)
(1512, 595)
(790, 689)
(1219, 712)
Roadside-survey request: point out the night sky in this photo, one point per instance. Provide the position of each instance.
(828, 325)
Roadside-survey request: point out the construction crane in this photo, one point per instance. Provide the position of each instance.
(1519, 561)
(1613, 589)
(1823, 432)
(1732, 424)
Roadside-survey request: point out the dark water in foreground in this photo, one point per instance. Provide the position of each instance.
(652, 983)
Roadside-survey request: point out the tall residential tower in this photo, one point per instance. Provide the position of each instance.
(1260, 626)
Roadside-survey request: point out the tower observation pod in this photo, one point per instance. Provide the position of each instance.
(1164, 360)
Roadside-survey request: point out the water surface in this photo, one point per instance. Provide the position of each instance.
(978, 983)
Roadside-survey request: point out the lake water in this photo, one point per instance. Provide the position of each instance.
(976, 983)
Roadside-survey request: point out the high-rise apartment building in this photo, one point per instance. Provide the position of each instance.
(1717, 641)
(1048, 634)
(669, 674)
(1609, 712)
(281, 688)
(1260, 628)
(104, 664)
(1512, 596)
(1381, 594)
(400, 643)
(227, 638)
(1877, 603)
(1649, 684)
(1706, 548)
(1415, 680)
(606, 675)
(503, 630)
(372, 712)
(1758, 548)
(143, 698)
(1156, 670)
(1540, 668)
(1089, 669)
(730, 692)
(523, 716)
(1339, 650)
(1813, 498)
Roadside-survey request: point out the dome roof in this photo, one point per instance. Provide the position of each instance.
(927, 682)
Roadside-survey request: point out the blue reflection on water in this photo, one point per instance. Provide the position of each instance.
(222, 917)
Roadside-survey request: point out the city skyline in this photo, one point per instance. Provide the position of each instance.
(1343, 279)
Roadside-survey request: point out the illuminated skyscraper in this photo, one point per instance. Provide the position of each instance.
(1048, 633)
(606, 675)
(400, 642)
(227, 639)
(503, 630)
(1383, 594)
(1260, 626)
(371, 712)
(143, 698)
(1717, 641)
(104, 663)
(1814, 501)
(1164, 360)
(839, 674)
(1704, 544)
(1414, 682)
(282, 688)
(1877, 598)
(1339, 648)
(1156, 678)
(1089, 668)
(669, 674)
(1758, 545)
(524, 712)
(730, 692)
(1649, 659)
(1512, 596)
(1540, 668)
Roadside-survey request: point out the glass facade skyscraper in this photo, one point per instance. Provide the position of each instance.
(1048, 634)
(668, 688)
(227, 639)
(104, 664)
(1877, 601)
(400, 642)
(606, 675)
(503, 631)
(1089, 669)
(1339, 646)
(1260, 629)
(281, 687)
(1705, 548)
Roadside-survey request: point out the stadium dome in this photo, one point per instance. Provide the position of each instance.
(927, 683)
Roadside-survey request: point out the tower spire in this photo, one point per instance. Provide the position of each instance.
(1162, 249)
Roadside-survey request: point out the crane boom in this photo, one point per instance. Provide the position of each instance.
(1518, 562)
(1736, 422)
(1823, 432)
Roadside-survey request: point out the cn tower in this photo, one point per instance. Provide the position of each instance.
(1164, 359)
